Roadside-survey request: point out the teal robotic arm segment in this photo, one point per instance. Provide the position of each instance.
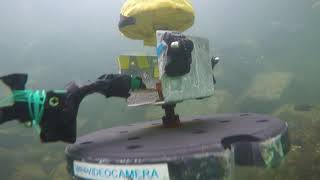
(53, 113)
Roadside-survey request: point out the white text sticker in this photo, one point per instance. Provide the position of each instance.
(121, 172)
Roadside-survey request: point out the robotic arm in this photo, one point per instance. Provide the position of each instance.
(53, 113)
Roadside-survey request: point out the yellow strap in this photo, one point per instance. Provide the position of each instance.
(143, 62)
(156, 72)
(123, 62)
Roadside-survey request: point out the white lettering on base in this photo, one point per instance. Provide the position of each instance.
(120, 172)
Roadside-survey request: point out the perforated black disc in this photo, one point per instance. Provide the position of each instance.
(198, 139)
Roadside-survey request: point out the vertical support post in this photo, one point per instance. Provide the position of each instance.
(170, 120)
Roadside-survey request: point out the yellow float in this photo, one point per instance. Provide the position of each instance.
(140, 19)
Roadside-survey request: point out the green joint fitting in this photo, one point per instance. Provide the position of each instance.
(135, 83)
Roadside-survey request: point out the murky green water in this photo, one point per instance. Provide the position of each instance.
(270, 64)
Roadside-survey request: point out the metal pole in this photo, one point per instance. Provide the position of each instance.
(170, 120)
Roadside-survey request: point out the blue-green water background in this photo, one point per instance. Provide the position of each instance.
(264, 45)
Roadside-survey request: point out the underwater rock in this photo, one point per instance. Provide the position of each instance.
(6, 158)
(60, 172)
(15, 129)
(303, 107)
(13, 137)
(303, 125)
(46, 156)
(303, 159)
(268, 86)
(51, 160)
(304, 114)
(4, 152)
(304, 129)
(29, 171)
(4, 132)
(264, 93)
(12, 142)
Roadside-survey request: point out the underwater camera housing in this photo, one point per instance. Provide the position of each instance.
(200, 147)
(181, 70)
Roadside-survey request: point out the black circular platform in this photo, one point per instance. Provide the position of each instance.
(205, 147)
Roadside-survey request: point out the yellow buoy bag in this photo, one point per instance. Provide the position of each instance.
(140, 19)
